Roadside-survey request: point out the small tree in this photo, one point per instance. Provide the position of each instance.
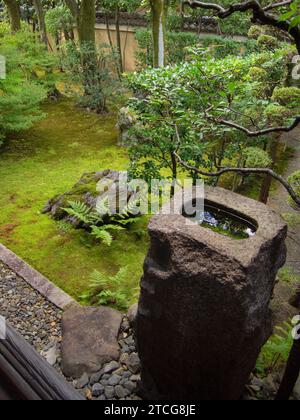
(22, 91)
(210, 112)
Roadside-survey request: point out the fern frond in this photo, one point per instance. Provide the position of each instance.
(102, 207)
(102, 234)
(98, 280)
(64, 226)
(78, 210)
(112, 227)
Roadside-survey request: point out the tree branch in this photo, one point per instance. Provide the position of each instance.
(257, 133)
(245, 171)
(277, 5)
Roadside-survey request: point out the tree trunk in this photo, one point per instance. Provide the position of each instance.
(14, 14)
(87, 19)
(159, 10)
(41, 19)
(182, 7)
(291, 373)
(119, 44)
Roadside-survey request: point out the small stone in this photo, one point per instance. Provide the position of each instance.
(82, 382)
(131, 386)
(114, 380)
(111, 367)
(101, 398)
(269, 384)
(132, 312)
(257, 382)
(129, 341)
(124, 358)
(51, 355)
(88, 394)
(135, 378)
(136, 398)
(254, 388)
(119, 371)
(121, 392)
(96, 377)
(97, 390)
(109, 392)
(134, 363)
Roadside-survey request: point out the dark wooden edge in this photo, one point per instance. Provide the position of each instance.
(25, 375)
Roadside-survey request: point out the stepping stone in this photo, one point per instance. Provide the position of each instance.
(90, 339)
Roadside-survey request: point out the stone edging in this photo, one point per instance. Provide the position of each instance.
(35, 279)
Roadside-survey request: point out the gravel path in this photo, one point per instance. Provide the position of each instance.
(30, 314)
(39, 322)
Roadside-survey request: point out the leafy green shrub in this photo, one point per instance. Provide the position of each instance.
(59, 21)
(93, 73)
(287, 96)
(238, 24)
(4, 29)
(175, 47)
(256, 158)
(178, 44)
(276, 351)
(255, 32)
(28, 80)
(268, 42)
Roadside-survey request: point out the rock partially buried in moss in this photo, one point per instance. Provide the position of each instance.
(85, 191)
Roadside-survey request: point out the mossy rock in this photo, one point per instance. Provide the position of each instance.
(84, 191)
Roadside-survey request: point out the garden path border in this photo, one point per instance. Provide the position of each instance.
(35, 279)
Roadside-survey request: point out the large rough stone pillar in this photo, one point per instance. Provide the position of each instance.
(203, 314)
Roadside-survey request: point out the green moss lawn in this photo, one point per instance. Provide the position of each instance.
(45, 161)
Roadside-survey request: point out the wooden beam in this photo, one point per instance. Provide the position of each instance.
(25, 375)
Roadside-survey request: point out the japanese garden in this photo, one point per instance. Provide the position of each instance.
(149, 201)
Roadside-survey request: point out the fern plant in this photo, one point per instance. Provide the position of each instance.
(95, 219)
(103, 234)
(82, 212)
(110, 290)
(276, 351)
(64, 226)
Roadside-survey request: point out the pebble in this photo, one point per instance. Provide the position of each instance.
(133, 363)
(82, 382)
(130, 386)
(97, 390)
(109, 392)
(114, 380)
(96, 377)
(110, 367)
(121, 392)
